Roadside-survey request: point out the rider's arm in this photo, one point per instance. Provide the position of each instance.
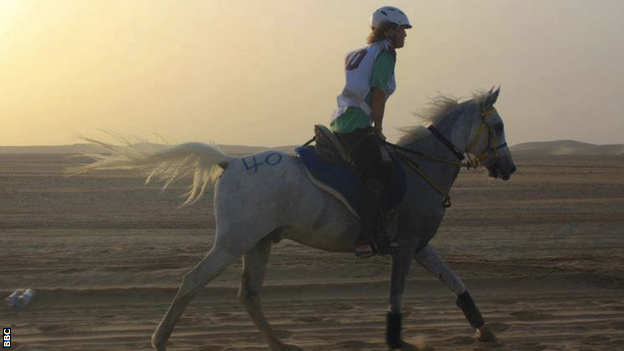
(378, 107)
(383, 69)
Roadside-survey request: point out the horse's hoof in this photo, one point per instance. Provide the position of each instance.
(484, 334)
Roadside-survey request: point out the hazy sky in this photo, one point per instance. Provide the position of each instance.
(263, 72)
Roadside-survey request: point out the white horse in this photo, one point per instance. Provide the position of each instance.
(294, 208)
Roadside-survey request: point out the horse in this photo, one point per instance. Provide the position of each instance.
(300, 211)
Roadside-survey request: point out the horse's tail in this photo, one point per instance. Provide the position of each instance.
(204, 162)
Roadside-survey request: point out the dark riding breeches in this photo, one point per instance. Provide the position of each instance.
(365, 153)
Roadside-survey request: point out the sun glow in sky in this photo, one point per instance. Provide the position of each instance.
(263, 72)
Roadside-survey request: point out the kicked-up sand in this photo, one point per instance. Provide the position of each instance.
(542, 255)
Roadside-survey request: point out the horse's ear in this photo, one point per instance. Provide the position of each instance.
(492, 97)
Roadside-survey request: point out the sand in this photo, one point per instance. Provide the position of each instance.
(542, 254)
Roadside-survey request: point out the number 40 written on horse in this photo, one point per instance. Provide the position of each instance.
(271, 159)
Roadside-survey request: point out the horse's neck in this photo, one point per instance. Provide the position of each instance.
(458, 127)
(457, 130)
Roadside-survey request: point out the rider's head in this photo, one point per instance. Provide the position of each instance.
(389, 23)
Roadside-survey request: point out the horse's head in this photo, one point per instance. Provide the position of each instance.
(488, 144)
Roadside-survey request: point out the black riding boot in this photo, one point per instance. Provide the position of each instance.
(373, 238)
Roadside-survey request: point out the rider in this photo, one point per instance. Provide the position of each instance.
(358, 121)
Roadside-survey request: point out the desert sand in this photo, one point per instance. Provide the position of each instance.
(542, 254)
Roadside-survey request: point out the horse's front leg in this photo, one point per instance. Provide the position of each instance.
(401, 262)
(430, 260)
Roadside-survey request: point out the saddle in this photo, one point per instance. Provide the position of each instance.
(327, 164)
(328, 147)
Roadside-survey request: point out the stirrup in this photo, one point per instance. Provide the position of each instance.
(364, 251)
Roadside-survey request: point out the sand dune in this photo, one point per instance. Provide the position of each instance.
(542, 254)
(559, 147)
(566, 147)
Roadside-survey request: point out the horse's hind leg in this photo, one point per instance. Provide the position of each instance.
(209, 268)
(254, 268)
(430, 260)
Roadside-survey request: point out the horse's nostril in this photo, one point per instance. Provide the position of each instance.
(513, 169)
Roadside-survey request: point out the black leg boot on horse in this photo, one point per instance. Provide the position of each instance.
(373, 238)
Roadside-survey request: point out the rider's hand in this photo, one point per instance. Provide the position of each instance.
(379, 133)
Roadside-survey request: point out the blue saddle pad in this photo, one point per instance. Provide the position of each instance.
(345, 184)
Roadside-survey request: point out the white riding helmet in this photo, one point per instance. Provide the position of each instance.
(389, 13)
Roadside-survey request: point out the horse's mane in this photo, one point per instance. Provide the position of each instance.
(434, 111)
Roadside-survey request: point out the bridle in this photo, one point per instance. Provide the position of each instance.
(490, 152)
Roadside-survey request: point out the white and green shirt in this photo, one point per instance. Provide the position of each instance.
(366, 68)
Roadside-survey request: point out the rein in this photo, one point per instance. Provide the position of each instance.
(490, 150)
(414, 166)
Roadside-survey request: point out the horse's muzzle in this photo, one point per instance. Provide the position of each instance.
(495, 171)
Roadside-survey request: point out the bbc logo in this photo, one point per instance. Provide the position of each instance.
(7, 338)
